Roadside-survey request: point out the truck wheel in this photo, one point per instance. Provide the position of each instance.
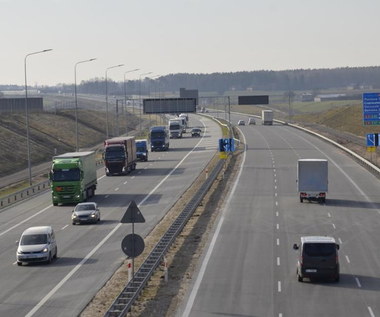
(301, 200)
(55, 204)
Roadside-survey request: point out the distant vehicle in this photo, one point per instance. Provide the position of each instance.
(267, 117)
(241, 122)
(85, 213)
(184, 115)
(312, 179)
(175, 128)
(73, 177)
(317, 257)
(159, 138)
(120, 155)
(183, 123)
(142, 149)
(37, 244)
(203, 109)
(196, 132)
(251, 121)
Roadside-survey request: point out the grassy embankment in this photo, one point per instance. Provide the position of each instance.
(53, 133)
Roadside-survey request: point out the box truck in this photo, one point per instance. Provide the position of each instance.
(312, 179)
(119, 155)
(73, 177)
(175, 128)
(267, 117)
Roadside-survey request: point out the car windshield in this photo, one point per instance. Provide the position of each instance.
(32, 239)
(114, 152)
(85, 207)
(319, 249)
(141, 148)
(62, 175)
(159, 134)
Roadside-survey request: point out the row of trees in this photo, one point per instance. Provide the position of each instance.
(300, 79)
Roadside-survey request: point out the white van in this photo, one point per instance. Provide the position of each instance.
(37, 244)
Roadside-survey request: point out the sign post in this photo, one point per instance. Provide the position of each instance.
(132, 244)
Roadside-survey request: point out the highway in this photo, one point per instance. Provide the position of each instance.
(88, 255)
(249, 267)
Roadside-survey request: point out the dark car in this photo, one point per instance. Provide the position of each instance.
(196, 132)
(85, 213)
(317, 257)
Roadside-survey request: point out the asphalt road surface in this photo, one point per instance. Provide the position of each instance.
(249, 266)
(88, 255)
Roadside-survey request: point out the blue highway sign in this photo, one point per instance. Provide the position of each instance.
(371, 108)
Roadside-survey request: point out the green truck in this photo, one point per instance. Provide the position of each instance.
(73, 177)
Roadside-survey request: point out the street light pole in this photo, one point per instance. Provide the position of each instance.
(125, 98)
(76, 100)
(140, 96)
(27, 115)
(107, 96)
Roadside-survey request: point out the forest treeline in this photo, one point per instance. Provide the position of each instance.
(300, 79)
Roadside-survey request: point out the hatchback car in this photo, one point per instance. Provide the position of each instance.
(251, 121)
(196, 132)
(37, 244)
(317, 257)
(241, 122)
(87, 212)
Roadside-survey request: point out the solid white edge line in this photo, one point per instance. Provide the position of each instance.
(202, 270)
(370, 311)
(25, 220)
(71, 273)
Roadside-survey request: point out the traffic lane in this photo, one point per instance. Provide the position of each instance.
(325, 225)
(239, 268)
(63, 305)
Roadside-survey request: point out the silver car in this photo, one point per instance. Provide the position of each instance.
(85, 213)
(37, 244)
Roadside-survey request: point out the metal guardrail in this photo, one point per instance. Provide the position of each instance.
(130, 293)
(29, 192)
(24, 194)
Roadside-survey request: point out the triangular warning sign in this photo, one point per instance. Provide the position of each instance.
(132, 214)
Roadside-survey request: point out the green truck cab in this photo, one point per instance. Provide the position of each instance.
(73, 177)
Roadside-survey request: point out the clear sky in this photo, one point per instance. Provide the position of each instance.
(176, 36)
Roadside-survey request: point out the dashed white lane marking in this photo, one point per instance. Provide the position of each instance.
(370, 311)
(277, 213)
(278, 241)
(278, 261)
(106, 196)
(328, 215)
(133, 176)
(150, 164)
(279, 286)
(333, 225)
(275, 180)
(348, 259)
(125, 182)
(277, 226)
(358, 282)
(280, 315)
(276, 203)
(64, 227)
(116, 189)
(275, 186)
(144, 168)
(340, 240)
(275, 194)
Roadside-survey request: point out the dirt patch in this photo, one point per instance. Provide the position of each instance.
(160, 298)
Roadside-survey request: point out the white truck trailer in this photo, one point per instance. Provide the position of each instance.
(267, 117)
(312, 179)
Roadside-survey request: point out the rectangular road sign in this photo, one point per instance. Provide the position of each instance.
(371, 108)
(169, 105)
(253, 100)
